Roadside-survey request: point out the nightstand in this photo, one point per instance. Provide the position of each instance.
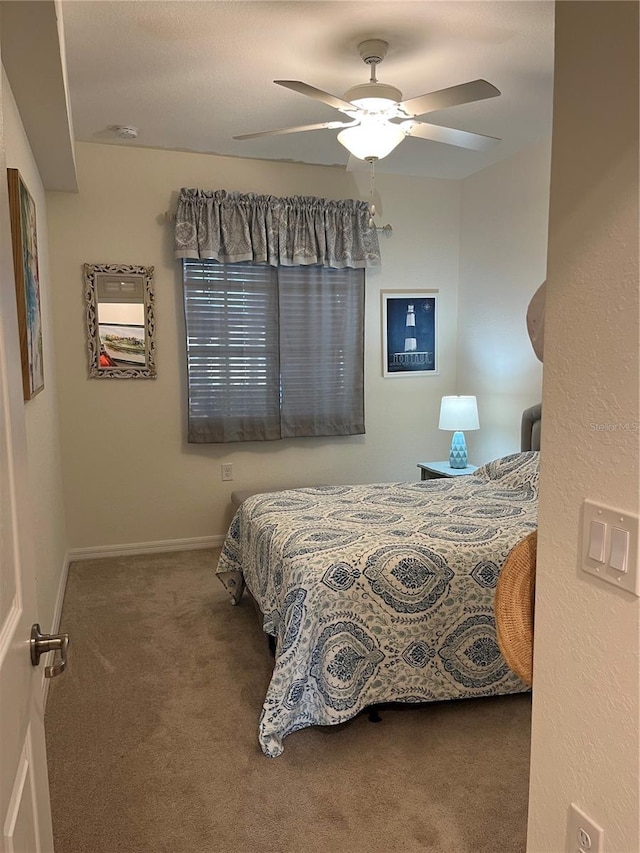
(435, 470)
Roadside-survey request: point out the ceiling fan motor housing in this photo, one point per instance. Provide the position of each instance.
(373, 96)
(373, 90)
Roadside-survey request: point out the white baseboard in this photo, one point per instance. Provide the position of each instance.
(157, 547)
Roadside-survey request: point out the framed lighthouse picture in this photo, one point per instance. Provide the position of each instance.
(409, 332)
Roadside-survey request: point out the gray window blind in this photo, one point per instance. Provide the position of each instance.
(273, 352)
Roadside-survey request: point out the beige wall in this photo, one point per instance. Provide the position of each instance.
(586, 701)
(130, 477)
(41, 413)
(503, 258)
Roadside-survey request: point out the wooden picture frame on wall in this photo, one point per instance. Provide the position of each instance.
(24, 239)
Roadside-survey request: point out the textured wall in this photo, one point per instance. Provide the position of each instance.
(41, 413)
(503, 260)
(586, 709)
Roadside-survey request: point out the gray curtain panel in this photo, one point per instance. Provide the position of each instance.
(298, 231)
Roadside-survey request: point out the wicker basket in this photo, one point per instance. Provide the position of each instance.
(513, 607)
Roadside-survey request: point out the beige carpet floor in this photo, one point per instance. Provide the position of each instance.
(152, 743)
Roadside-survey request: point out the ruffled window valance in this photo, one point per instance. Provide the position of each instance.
(298, 231)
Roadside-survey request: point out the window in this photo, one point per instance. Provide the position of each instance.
(273, 352)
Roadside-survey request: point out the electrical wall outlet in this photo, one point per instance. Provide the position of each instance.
(227, 471)
(584, 835)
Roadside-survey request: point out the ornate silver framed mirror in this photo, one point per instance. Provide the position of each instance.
(120, 323)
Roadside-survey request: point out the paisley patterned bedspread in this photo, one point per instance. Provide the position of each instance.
(380, 593)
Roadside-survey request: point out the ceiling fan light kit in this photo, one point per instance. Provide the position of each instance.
(372, 139)
(373, 110)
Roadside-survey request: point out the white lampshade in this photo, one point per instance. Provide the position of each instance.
(371, 139)
(459, 413)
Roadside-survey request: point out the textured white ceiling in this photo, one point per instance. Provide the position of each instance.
(191, 75)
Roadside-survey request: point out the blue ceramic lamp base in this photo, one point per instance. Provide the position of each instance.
(458, 452)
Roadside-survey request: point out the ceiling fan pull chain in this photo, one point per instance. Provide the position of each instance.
(372, 207)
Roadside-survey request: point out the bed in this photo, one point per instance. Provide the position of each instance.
(380, 593)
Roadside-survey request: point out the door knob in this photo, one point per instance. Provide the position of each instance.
(42, 643)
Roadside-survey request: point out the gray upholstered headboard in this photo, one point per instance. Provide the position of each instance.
(530, 428)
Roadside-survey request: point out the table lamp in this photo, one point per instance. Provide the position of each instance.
(458, 414)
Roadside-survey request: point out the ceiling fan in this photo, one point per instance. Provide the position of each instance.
(378, 118)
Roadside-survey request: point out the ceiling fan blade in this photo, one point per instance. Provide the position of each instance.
(281, 131)
(465, 93)
(318, 94)
(451, 136)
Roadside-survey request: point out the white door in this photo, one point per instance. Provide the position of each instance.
(25, 817)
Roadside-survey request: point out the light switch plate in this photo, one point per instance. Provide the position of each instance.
(622, 520)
